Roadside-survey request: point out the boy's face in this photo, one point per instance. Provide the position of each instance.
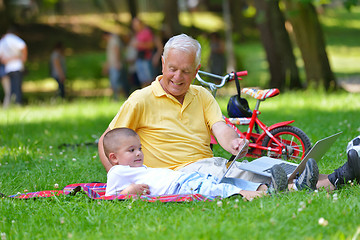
(129, 153)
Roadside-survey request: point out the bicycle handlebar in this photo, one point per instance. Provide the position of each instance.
(224, 79)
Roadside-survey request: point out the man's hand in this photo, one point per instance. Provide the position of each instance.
(228, 138)
(237, 144)
(139, 189)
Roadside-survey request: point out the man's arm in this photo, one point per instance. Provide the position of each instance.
(104, 160)
(24, 54)
(227, 137)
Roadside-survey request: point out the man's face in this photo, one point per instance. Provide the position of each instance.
(179, 70)
(129, 153)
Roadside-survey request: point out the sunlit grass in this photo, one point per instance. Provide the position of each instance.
(33, 158)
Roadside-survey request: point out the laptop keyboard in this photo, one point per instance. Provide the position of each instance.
(287, 167)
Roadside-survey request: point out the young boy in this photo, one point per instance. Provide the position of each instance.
(129, 176)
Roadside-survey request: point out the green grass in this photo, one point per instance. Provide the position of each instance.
(32, 159)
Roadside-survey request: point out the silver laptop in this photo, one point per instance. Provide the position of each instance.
(263, 165)
(232, 161)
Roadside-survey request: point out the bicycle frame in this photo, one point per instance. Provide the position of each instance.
(255, 139)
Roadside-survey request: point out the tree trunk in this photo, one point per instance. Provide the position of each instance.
(282, 64)
(6, 15)
(231, 61)
(237, 17)
(310, 39)
(112, 7)
(171, 20)
(132, 5)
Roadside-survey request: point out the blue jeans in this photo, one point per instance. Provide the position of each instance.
(208, 185)
(61, 87)
(16, 79)
(118, 79)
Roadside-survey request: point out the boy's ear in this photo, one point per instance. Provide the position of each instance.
(112, 158)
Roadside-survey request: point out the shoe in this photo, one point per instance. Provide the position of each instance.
(350, 171)
(309, 177)
(279, 182)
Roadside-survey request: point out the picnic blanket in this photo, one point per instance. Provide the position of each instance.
(97, 191)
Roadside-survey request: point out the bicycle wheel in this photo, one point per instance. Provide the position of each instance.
(296, 141)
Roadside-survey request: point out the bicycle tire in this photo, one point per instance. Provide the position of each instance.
(298, 143)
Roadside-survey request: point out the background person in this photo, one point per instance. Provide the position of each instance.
(113, 66)
(5, 82)
(13, 54)
(144, 44)
(58, 67)
(130, 59)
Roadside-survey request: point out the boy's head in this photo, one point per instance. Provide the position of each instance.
(122, 147)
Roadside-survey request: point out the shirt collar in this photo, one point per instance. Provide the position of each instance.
(159, 91)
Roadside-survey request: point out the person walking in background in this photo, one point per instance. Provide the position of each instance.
(58, 67)
(113, 65)
(156, 56)
(130, 59)
(5, 82)
(144, 44)
(13, 54)
(217, 59)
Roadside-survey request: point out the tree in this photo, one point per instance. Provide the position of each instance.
(237, 18)
(6, 15)
(276, 41)
(231, 61)
(171, 18)
(310, 39)
(132, 4)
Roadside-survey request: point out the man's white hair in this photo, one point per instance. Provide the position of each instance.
(184, 43)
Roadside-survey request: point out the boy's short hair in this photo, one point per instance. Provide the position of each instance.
(111, 139)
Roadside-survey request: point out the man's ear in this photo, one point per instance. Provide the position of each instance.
(162, 63)
(198, 68)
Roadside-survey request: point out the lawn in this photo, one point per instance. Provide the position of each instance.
(46, 144)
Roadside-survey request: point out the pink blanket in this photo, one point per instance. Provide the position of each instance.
(97, 191)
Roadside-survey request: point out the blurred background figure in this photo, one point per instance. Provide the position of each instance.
(13, 54)
(156, 56)
(5, 82)
(144, 45)
(113, 66)
(58, 67)
(217, 59)
(130, 59)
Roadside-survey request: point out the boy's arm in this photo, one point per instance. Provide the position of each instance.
(140, 189)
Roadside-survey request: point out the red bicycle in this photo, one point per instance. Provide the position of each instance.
(279, 140)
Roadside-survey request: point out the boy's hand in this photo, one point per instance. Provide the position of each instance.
(140, 189)
(250, 195)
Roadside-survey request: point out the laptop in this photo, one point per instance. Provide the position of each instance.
(263, 165)
(232, 161)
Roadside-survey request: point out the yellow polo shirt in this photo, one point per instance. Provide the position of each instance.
(172, 134)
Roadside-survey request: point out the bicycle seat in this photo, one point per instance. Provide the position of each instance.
(261, 94)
